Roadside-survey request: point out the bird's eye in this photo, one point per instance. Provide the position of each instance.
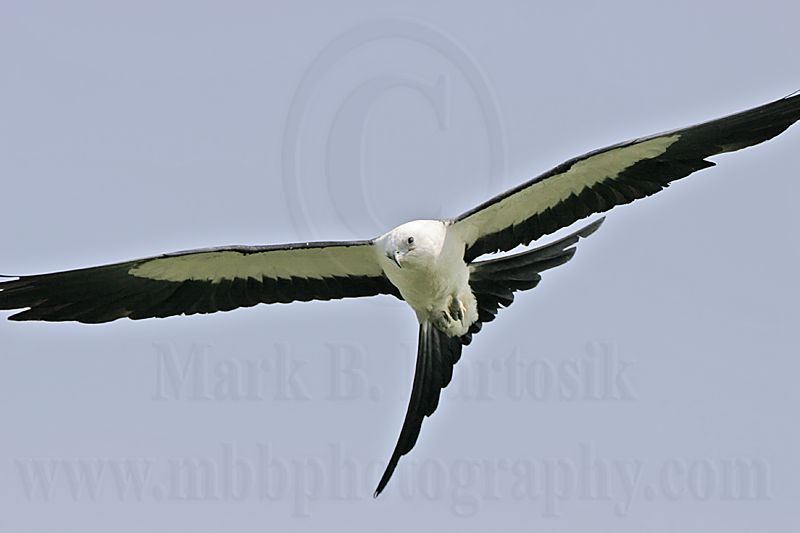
(410, 240)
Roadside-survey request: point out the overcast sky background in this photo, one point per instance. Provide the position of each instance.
(667, 349)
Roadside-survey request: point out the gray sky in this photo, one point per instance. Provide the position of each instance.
(648, 385)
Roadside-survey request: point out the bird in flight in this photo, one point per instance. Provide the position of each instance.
(433, 265)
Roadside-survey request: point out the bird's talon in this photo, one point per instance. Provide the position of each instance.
(442, 322)
(456, 310)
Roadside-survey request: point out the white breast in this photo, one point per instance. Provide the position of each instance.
(435, 275)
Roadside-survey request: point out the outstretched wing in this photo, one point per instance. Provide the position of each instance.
(493, 284)
(199, 281)
(597, 181)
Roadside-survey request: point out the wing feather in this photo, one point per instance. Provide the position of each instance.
(616, 175)
(199, 281)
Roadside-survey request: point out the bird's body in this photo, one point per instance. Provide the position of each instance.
(430, 273)
(431, 264)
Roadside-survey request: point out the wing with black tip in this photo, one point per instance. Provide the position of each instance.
(199, 281)
(597, 181)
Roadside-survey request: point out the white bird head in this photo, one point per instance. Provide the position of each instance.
(413, 244)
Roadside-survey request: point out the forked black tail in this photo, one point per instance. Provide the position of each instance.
(493, 282)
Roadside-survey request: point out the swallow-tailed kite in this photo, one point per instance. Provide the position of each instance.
(431, 264)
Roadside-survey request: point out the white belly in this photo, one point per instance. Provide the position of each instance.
(436, 287)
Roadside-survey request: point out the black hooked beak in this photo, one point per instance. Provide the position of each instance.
(394, 256)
